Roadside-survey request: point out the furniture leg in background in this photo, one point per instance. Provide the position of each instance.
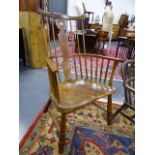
(129, 46)
(21, 47)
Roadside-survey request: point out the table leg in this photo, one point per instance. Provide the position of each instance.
(117, 49)
(131, 48)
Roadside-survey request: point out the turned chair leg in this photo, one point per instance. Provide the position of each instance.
(62, 133)
(109, 110)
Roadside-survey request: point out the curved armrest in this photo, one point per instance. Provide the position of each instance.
(51, 66)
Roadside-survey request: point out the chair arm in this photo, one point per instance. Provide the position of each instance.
(51, 66)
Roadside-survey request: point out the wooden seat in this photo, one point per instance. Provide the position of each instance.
(76, 79)
(78, 93)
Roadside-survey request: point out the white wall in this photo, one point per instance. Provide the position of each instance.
(123, 6)
(97, 6)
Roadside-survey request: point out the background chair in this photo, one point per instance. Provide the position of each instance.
(102, 37)
(89, 16)
(123, 22)
(128, 75)
(76, 79)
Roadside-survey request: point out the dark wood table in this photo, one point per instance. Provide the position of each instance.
(125, 42)
(90, 41)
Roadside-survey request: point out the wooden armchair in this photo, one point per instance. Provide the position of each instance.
(128, 75)
(77, 79)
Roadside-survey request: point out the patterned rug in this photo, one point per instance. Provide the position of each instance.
(87, 134)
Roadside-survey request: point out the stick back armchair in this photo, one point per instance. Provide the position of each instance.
(76, 79)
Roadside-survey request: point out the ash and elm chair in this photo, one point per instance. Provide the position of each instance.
(87, 77)
(128, 75)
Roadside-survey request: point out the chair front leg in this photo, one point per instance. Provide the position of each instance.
(62, 133)
(109, 110)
